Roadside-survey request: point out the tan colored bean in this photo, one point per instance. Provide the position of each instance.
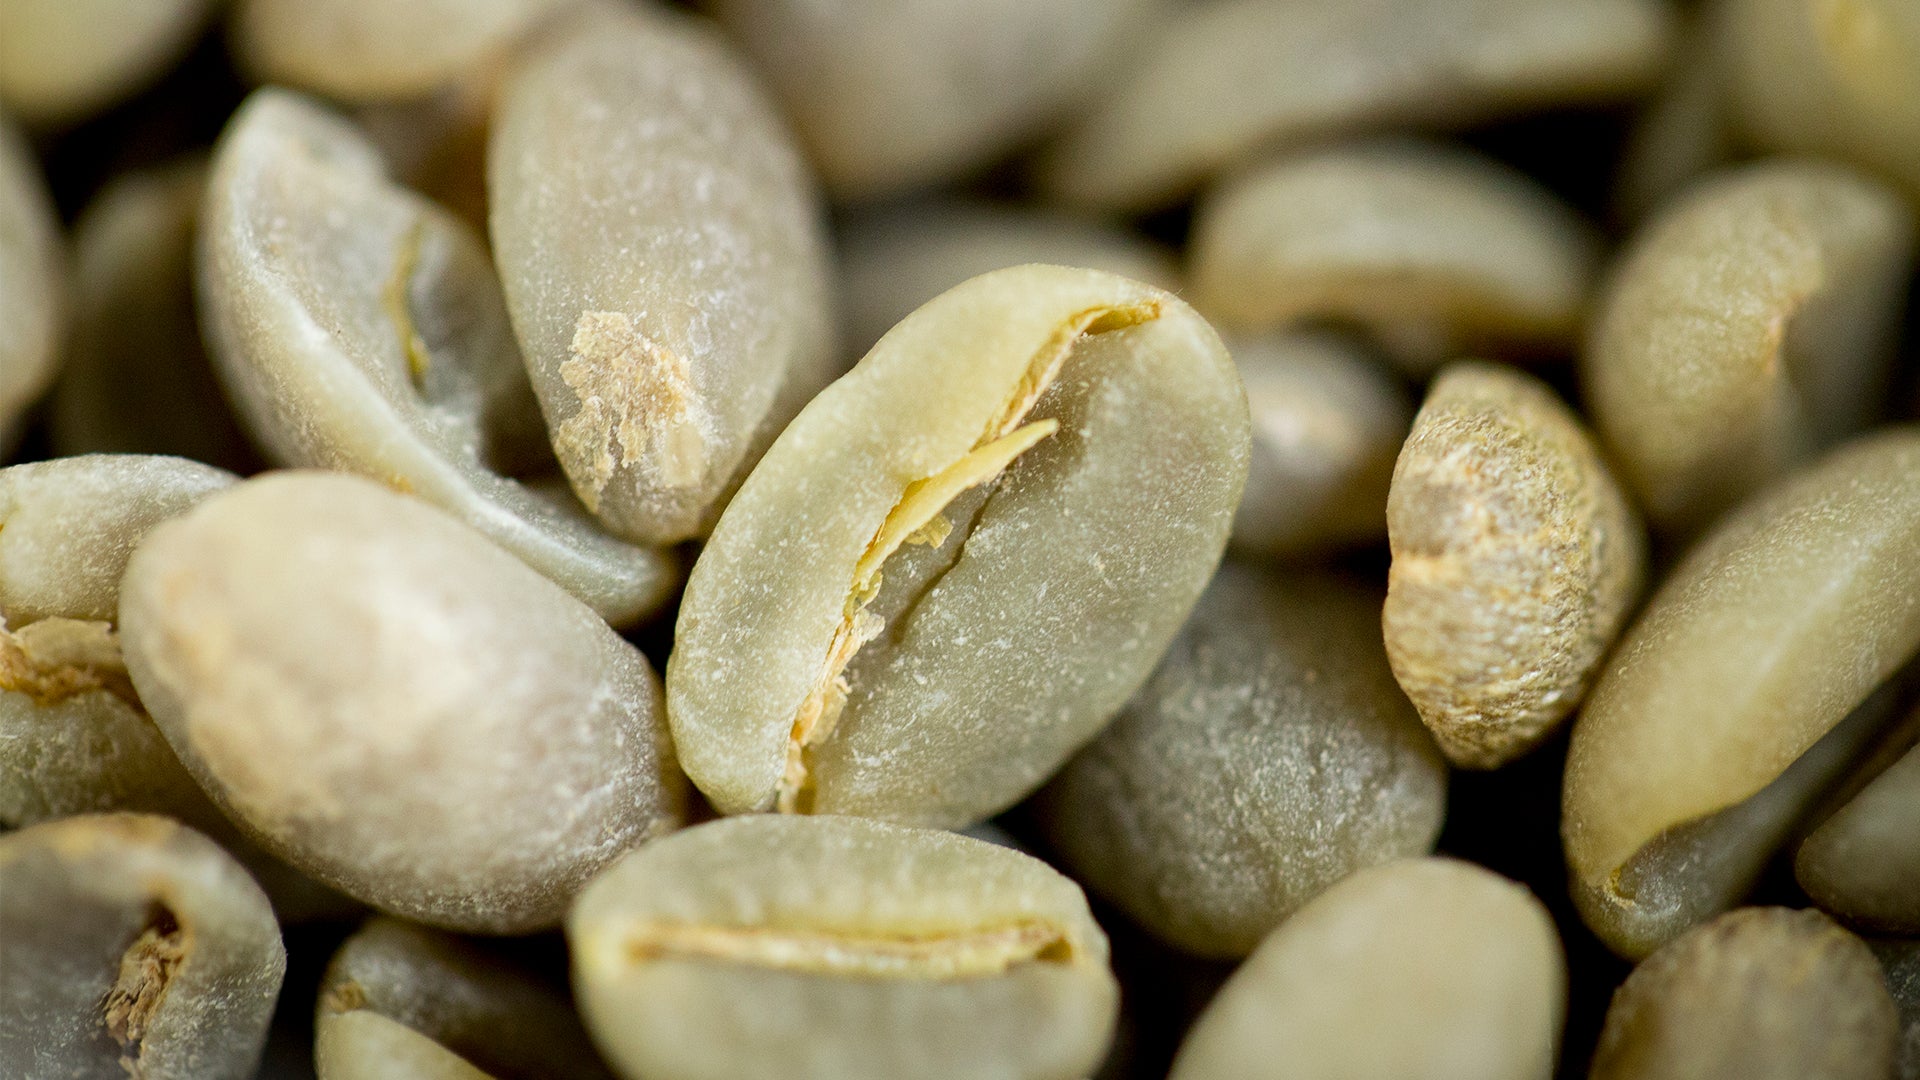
(1756, 994)
(664, 260)
(888, 96)
(134, 947)
(1773, 629)
(1276, 697)
(1328, 421)
(360, 327)
(1839, 78)
(402, 1002)
(1217, 83)
(1434, 251)
(136, 378)
(394, 705)
(839, 949)
(1750, 323)
(1516, 560)
(896, 258)
(32, 280)
(375, 50)
(1419, 968)
(1863, 862)
(61, 61)
(964, 556)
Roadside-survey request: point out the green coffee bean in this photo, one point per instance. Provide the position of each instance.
(664, 260)
(1770, 632)
(964, 556)
(136, 379)
(32, 278)
(1755, 994)
(1515, 562)
(1434, 251)
(1863, 863)
(843, 948)
(61, 62)
(890, 96)
(404, 1002)
(134, 947)
(1839, 78)
(1423, 967)
(892, 260)
(394, 705)
(1204, 93)
(1328, 421)
(1276, 693)
(371, 50)
(359, 327)
(1750, 323)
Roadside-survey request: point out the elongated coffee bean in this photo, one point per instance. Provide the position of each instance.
(963, 556)
(832, 948)
(1771, 631)
(664, 260)
(393, 704)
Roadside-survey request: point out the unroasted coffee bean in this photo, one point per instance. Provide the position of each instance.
(892, 260)
(964, 556)
(1838, 78)
(1433, 251)
(402, 1002)
(134, 947)
(661, 246)
(1863, 863)
(32, 280)
(393, 704)
(1269, 756)
(1770, 632)
(1756, 994)
(1221, 81)
(1419, 968)
(61, 61)
(839, 948)
(136, 379)
(1750, 324)
(1328, 421)
(888, 95)
(359, 327)
(372, 50)
(1515, 562)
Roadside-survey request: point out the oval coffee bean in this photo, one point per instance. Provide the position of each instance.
(1863, 863)
(839, 948)
(894, 259)
(1269, 756)
(136, 377)
(1328, 421)
(1756, 994)
(1837, 78)
(372, 50)
(1424, 968)
(1203, 93)
(1767, 635)
(402, 1000)
(1433, 251)
(661, 246)
(1515, 562)
(61, 61)
(888, 96)
(964, 556)
(394, 705)
(1750, 323)
(32, 280)
(359, 327)
(134, 947)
